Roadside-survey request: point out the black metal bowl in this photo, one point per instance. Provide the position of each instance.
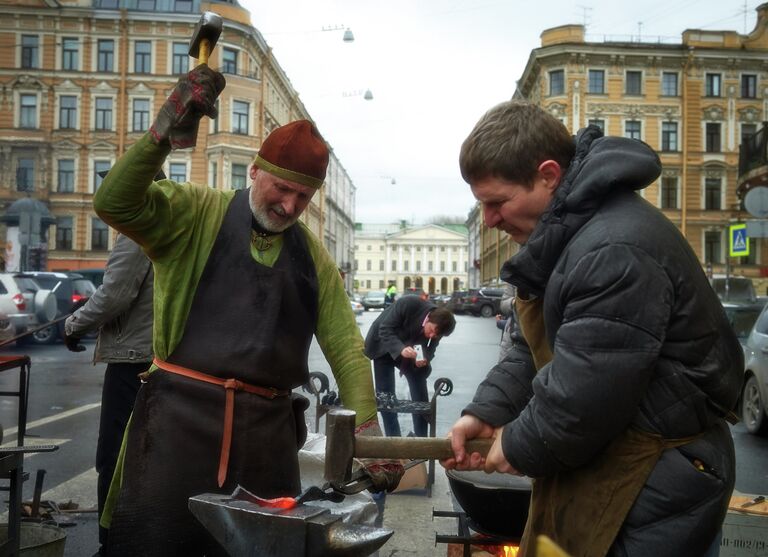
(496, 503)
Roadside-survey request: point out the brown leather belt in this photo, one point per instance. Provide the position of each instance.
(230, 386)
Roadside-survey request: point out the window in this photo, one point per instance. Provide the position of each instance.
(634, 83)
(214, 174)
(669, 136)
(28, 113)
(140, 115)
(99, 166)
(239, 176)
(70, 48)
(216, 120)
(442, 266)
(749, 86)
(712, 247)
(632, 129)
(64, 233)
(240, 117)
(712, 143)
(556, 82)
(406, 265)
(368, 264)
(712, 194)
(668, 84)
(381, 284)
(394, 265)
(107, 3)
(25, 175)
(381, 264)
(67, 112)
(29, 51)
(180, 58)
(597, 122)
(106, 55)
(146, 5)
(99, 235)
(596, 81)
(430, 266)
(712, 85)
(66, 176)
(229, 57)
(454, 266)
(418, 265)
(669, 192)
(182, 6)
(178, 172)
(747, 130)
(142, 57)
(103, 114)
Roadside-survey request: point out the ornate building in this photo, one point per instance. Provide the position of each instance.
(693, 101)
(431, 257)
(81, 80)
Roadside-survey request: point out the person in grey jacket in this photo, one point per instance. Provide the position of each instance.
(619, 410)
(121, 310)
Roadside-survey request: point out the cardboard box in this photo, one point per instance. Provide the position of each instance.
(744, 535)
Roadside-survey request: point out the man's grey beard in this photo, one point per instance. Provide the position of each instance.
(263, 220)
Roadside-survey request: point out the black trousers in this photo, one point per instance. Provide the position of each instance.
(121, 383)
(384, 377)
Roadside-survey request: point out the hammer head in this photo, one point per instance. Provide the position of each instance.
(208, 28)
(339, 445)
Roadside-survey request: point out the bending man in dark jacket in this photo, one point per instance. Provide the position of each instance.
(121, 310)
(622, 426)
(392, 341)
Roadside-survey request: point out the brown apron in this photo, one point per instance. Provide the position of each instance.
(582, 510)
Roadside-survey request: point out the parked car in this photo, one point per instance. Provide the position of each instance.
(96, 276)
(357, 307)
(415, 292)
(742, 317)
(456, 301)
(754, 394)
(7, 330)
(483, 301)
(373, 299)
(69, 289)
(24, 302)
(734, 289)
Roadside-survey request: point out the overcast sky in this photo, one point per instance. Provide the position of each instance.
(434, 67)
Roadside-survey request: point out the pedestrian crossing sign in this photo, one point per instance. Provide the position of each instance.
(739, 242)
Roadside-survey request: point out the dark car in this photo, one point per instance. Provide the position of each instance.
(96, 276)
(456, 301)
(69, 289)
(483, 301)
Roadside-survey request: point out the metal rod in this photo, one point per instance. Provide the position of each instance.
(36, 329)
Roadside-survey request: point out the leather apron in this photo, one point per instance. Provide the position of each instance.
(583, 510)
(247, 322)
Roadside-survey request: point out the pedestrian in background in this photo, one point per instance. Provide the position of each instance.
(121, 310)
(406, 336)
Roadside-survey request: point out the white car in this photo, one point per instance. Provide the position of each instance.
(754, 395)
(357, 308)
(24, 302)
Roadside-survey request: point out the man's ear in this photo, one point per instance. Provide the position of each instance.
(254, 170)
(551, 172)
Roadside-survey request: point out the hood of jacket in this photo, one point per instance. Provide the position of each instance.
(601, 167)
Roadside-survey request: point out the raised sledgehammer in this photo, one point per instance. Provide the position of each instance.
(341, 446)
(205, 36)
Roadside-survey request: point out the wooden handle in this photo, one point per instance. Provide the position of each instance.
(205, 50)
(415, 447)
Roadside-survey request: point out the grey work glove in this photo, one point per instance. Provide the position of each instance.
(385, 474)
(193, 97)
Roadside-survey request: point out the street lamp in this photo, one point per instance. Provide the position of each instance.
(348, 37)
(367, 94)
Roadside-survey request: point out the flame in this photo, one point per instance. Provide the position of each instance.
(510, 550)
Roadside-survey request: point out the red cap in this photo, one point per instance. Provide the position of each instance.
(296, 152)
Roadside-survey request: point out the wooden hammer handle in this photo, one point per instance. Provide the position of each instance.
(415, 447)
(205, 51)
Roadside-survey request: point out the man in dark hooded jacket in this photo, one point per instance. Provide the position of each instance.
(618, 410)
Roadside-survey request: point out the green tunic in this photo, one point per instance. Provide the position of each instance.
(176, 225)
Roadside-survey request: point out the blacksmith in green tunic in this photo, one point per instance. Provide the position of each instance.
(241, 286)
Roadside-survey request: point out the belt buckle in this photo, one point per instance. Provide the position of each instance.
(273, 393)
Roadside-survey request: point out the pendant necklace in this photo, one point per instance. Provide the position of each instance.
(261, 240)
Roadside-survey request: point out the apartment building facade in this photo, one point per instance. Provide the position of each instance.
(83, 81)
(432, 257)
(691, 100)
